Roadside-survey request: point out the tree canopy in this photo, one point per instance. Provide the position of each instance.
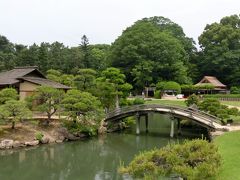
(16, 110)
(85, 79)
(78, 103)
(157, 40)
(117, 80)
(48, 100)
(8, 94)
(220, 44)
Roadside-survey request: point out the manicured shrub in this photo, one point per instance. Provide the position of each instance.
(222, 113)
(196, 159)
(137, 101)
(233, 111)
(126, 102)
(206, 103)
(214, 107)
(193, 99)
(78, 127)
(130, 102)
(170, 85)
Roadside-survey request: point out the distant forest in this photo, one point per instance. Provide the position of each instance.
(151, 50)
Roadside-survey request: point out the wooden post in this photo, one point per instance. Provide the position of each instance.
(146, 92)
(117, 102)
(146, 122)
(138, 124)
(172, 128)
(179, 127)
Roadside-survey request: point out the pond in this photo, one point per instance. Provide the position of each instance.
(96, 158)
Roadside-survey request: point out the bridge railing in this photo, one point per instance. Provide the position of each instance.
(207, 117)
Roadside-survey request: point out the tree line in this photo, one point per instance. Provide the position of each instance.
(151, 50)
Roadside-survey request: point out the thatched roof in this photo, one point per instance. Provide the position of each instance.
(30, 74)
(10, 77)
(45, 82)
(212, 81)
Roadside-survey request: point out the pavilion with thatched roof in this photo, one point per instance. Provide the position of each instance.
(213, 82)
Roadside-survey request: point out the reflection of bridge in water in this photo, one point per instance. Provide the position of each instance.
(177, 113)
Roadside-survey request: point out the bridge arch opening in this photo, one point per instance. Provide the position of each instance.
(176, 113)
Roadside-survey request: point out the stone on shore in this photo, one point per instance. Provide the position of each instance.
(44, 140)
(6, 144)
(59, 141)
(32, 143)
(71, 137)
(17, 144)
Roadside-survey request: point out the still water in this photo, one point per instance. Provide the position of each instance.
(93, 159)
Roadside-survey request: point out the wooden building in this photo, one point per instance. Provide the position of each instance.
(26, 80)
(218, 87)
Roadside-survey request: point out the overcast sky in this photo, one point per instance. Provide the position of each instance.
(29, 21)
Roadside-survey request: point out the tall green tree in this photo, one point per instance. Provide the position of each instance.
(54, 75)
(16, 111)
(27, 56)
(5, 45)
(155, 40)
(166, 25)
(99, 56)
(117, 80)
(57, 76)
(142, 74)
(84, 110)
(105, 91)
(43, 57)
(58, 55)
(79, 105)
(220, 45)
(7, 54)
(85, 79)
(85, 50)
(48, 100)
(75, 60)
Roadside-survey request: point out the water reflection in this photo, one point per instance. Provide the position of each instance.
(96, 158)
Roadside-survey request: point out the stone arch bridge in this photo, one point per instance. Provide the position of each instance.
(203, 119)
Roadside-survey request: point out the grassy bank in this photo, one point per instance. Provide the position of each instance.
(229, 148)
(182, 103)
(167, 102)
(231, 103)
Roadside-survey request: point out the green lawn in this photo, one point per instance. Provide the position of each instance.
(231, 103)
(167, 102)
(229, 148)
(181, 102)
